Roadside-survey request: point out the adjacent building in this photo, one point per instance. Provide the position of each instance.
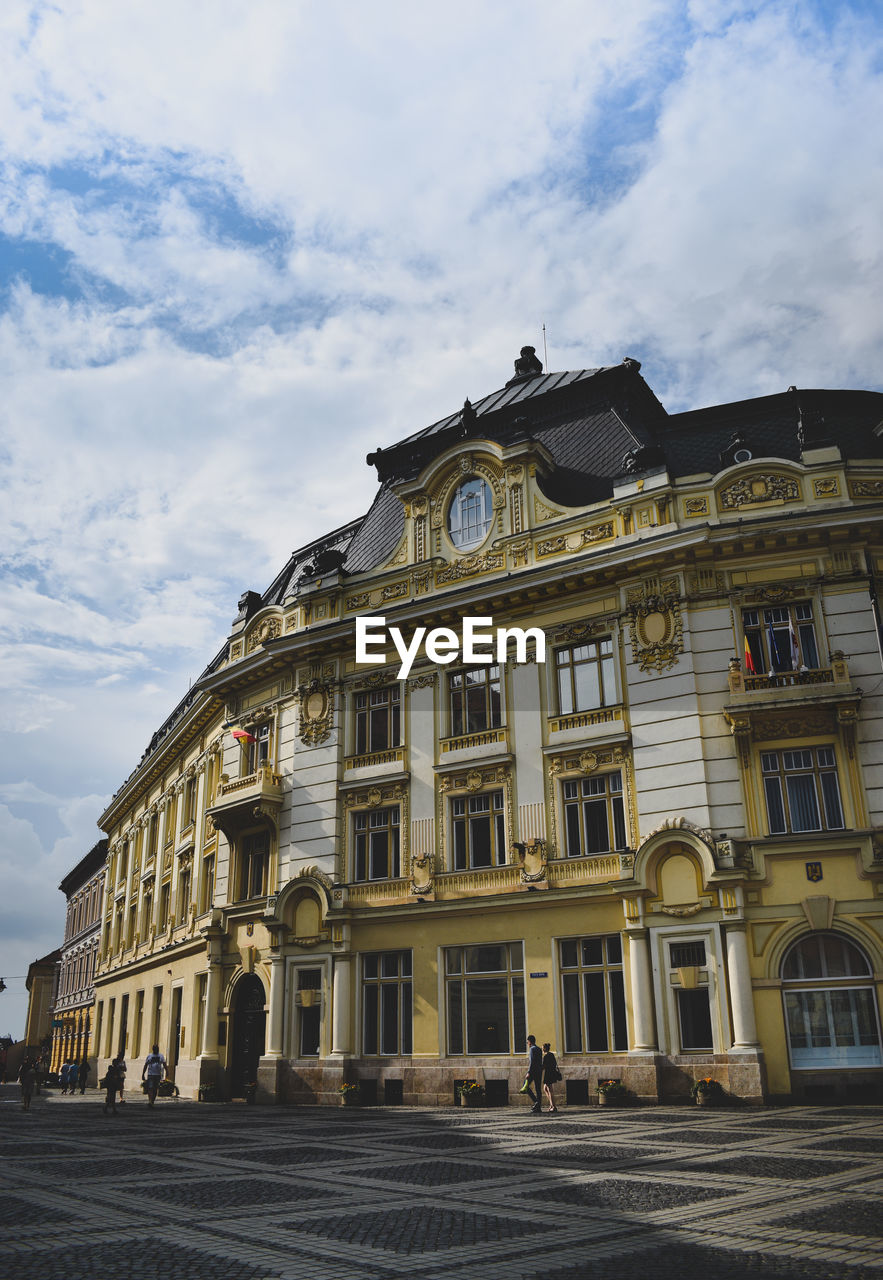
(83, 887)
(644, 823)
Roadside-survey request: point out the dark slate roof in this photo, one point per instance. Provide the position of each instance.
(379, 534)
(86, 867)
(694, 441)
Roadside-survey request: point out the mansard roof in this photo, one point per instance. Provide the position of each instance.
(85, 869)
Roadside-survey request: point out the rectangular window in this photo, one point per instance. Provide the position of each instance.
(139, 1024)
(594, 817)
(694, 1019)
(146, 913)
(257, 752)
(386, 1003)
(585, 676)
(111, 1015)
(189, 810)
(184, 896)
(156, 1019)
(309, 1020)
(165, 894)
(201, 990)
(801, 789)
(593, 995)
(475, 701)
(376, 850)
(131, 927)
(781, 638)
(207, 895)
(485, 999)
(255, 865)
(378, 720)
(478, 827)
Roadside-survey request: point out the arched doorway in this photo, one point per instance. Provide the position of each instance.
(249, 1025)
(830, 1005)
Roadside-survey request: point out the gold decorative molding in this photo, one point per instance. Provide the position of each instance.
(657, 628)
(576, 540)
(470, 566)
(694, 507)
(826, 487)
(543, 512)
(520, 553)
(772, 486)
(469, 782)
(866, 488)
(316, 713)
(579, 764)
(267, 629)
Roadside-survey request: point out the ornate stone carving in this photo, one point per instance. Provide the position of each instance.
(657, 627)
(695, 507)
(427, 680)
(543, 512)
(532, 856)
(520, 553)
(689, 910)
(359, 601)
(393, 590)
(421, 875)
(267, 629)
(866, 488)
(829, 487)
(774, 593)
(804, 722)
(316, 713)
(771, 487)
(400, 555)
(469, 566)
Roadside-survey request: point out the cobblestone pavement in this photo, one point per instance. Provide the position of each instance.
(256, 1193)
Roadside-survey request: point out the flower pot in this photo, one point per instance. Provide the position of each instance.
(471, 1100)
(705, 1099)
(349, 1099)
(605, 1100)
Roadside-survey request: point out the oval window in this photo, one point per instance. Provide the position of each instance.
(470, 514)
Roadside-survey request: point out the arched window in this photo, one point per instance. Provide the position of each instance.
(830, 1005)
(470, 514)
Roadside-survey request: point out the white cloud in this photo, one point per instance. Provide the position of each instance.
(276, 236)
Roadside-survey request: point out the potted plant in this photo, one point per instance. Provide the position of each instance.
(251, 1092)
(610, 1092)
(208, 1093)
(349, 1095)
(707, 1091)
(471, 1093)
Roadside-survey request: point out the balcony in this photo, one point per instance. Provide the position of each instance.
(792, 704)
(470, 746)
(242, 802)
(374, 764)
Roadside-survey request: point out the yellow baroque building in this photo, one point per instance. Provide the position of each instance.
(644, 825)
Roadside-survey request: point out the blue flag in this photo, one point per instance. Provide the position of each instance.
(775, 661)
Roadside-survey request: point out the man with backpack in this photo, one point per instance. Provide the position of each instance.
(153, 1072)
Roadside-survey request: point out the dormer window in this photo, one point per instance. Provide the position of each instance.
(470, 514)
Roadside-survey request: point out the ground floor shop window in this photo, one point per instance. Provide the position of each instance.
(593, 994)
(485, 999)
(386, 1003)
(830, 1005)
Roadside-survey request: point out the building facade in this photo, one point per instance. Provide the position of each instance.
(73, 1011)
(640, 819)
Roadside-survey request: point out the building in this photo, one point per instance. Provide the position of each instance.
(648, 829)
(40, 985)
(83, 887)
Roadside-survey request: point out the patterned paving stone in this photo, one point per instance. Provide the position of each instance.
(16, 1212)
(240, 1193)
(854, 1217)
(585, 1154)
(664, 1262)
(150, 1257)
(434, 1173)
(782, 1167)
(628, 1195)
(422, 1229)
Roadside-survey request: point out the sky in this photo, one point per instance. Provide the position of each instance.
(242, 245)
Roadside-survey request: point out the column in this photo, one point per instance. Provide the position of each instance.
(277, 1007)
(741, 997)
(341, 1041)
(642, 990)
(209, 1047)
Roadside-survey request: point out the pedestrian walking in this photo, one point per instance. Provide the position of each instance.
(27, 1078)
(111, 1085)
(120, 1064)
(551, 1075)
(85, 1069)
(153, 1071)
(64, 1075)
(72, 1077)
(534, 1074)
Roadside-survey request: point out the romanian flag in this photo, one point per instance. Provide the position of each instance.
(749, 661)
(242, 737)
